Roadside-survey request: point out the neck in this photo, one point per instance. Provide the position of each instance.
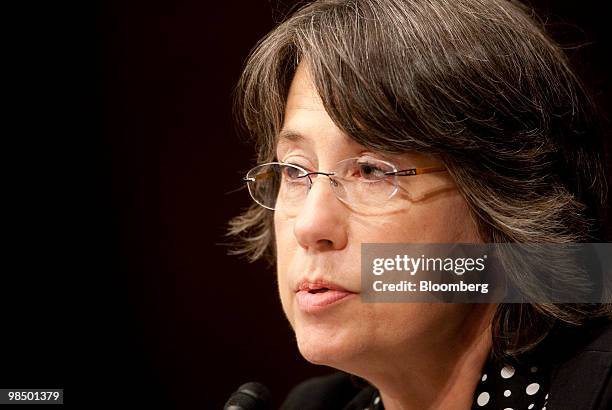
(443, 375)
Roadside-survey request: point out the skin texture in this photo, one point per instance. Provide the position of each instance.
(418, 355)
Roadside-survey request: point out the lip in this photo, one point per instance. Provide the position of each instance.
(314, 296)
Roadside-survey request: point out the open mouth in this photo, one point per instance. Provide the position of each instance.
(314, 298)
(317, 286)
(320, 290)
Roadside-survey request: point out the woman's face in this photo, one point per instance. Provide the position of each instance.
(322, 243)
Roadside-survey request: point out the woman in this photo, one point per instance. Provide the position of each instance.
(474, 98)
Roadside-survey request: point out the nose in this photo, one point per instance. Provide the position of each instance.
(321, 223)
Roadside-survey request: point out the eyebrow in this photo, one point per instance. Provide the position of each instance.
(290, 136)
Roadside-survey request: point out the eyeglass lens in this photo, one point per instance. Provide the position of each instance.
(359, 182)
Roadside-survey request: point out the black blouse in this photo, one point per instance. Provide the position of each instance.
(503, 387)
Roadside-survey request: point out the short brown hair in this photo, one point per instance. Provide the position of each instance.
(478, 82)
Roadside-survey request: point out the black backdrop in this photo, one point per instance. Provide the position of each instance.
(116, 286)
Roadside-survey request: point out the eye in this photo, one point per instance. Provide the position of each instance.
(370, 171)
(292, 173)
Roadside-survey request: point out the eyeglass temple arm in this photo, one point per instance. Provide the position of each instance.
(263, 175)
(266, 175)
(416, 171)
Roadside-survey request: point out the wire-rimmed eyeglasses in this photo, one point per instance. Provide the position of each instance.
(360, 182)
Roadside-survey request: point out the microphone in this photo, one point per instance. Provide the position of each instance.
(249, 396)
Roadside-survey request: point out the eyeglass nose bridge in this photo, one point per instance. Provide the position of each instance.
(332, 181)
(335, 186)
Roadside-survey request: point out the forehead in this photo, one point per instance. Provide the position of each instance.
(307, 125)
(302, 91)
(305, 120)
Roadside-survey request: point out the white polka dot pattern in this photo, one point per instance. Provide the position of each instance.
(507, 372)
(503, 386)
(483, 398)
(532, 389)
(511, 386)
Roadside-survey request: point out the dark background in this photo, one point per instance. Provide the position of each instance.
(116, 283)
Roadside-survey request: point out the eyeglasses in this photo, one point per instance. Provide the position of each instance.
(363, 183)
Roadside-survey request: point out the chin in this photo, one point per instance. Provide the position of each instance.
(329, 346)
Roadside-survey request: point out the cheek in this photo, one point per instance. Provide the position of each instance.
(401, 322)
(446, 219)
(285, 249)
(452, 221)
(285, 242)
